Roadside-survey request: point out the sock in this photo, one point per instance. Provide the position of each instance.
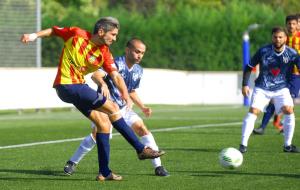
(148, 140)
(267, 115)
(86, 146)
(121, 126)
(103, 153)
(110, 132)
(288, 128)
(247, 128)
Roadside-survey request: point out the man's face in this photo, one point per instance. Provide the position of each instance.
(108, 37)
(279, 39)
(136, 53)
(298, 28)
(291, 26)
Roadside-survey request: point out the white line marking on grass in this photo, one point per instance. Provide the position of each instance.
(115, 134)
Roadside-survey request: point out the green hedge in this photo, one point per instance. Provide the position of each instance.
(198, 37)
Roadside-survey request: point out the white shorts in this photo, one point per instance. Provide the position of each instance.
(261, 98)
(129, 116)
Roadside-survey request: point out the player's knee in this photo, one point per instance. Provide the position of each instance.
(94, 132)
(287, 109)
(254, 111)
(140, 129)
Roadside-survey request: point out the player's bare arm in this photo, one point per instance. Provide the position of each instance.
(119, 82)
(97, 77)
(137, 101)
(25, 38)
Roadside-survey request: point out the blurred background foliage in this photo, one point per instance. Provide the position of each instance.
(202, 35)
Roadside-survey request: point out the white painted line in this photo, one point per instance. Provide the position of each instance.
(115, 134)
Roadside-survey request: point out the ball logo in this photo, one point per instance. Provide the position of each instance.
(230, 158)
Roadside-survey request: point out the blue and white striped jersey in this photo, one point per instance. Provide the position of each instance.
(274, 68)
(132, 78)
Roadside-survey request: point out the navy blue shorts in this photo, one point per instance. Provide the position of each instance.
(294, 87)
(84, 98)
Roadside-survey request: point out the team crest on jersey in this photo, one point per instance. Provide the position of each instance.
(285, 59)
(135, 76)
(92, 59)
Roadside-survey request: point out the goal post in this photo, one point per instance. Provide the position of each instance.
(18, 17)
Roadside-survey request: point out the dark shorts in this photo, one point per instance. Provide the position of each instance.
(294, 87)
(84, 98)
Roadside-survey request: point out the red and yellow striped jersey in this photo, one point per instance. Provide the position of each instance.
(80, 56)
(293, 41)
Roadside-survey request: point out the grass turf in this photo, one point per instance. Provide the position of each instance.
(192, 153)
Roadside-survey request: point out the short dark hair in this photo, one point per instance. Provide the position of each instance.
(291, 17)
(277, 29)
(107, 24)
(132, 40)
(297, 15)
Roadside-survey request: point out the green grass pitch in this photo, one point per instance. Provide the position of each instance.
(195, 137)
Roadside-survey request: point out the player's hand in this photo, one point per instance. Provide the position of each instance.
(129, 104)
(147, 111)
(105, 91)
(25, 38)
(245, 91)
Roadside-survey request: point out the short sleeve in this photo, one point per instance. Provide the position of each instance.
(68, 32)
(108, 64)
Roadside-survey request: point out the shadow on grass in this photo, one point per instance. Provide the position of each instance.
(234, 172)
(48, 175)
(35, 172)
(191, 149)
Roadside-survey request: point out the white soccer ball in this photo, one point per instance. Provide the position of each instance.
(231, 158)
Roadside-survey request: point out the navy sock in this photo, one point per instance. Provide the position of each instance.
(121, 126)
(267, 115)
(103, 153)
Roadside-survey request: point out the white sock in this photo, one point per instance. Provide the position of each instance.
(148, 140)
(247, 128)
(288, 128)
(110, 132)
(86, 146)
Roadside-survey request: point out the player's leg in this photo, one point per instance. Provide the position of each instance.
(86, 145)
(148, 140)
(144, 152)
(270, 109)
(86, 100)
(277, 122)
(284, 103)
(102, 139)
(258, 101)
(132, 119)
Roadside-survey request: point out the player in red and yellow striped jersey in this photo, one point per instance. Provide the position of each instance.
(84, 53)
(293, 39)
(80, 56)
(298, 19)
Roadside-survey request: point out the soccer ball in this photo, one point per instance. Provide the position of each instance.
(230, 158)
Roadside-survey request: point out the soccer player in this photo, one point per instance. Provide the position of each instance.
(84, 53)
(298, 18)
(130, 69)
(276, 61)
(293, 40)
